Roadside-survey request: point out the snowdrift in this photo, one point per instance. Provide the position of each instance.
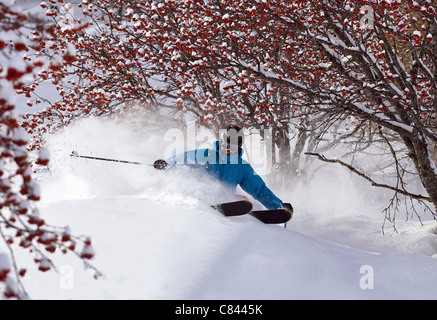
(157, 238)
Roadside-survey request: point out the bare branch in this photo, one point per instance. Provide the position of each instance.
(363, 175)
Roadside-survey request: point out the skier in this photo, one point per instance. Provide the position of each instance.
(225, 163)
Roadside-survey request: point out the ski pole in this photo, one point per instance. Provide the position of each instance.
(77, 155)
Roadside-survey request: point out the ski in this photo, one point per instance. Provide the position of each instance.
(275, 216)
(236, 208)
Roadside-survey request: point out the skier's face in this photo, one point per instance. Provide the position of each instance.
(230, 141)
(228, 151)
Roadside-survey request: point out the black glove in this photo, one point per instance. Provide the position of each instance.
(160, 164)
(288, 206)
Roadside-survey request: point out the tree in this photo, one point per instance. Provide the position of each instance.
(258, 64)
(115, 54)
(382, 72)
(20, 222)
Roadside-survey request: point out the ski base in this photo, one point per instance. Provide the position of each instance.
(272, 216)
(236, 208)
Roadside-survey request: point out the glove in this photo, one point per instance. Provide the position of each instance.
(160, 164)
(288, 206)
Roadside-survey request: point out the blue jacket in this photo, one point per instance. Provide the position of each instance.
(232, 170)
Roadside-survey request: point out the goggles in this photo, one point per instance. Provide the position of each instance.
(230, 147)
(231, 140)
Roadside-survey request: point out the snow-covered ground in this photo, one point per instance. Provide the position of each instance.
(156, 237)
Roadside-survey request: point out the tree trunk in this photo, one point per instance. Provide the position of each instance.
(302, 138)
(419, 152)
(284, 169)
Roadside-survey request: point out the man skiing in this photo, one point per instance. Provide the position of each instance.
(224, 162)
